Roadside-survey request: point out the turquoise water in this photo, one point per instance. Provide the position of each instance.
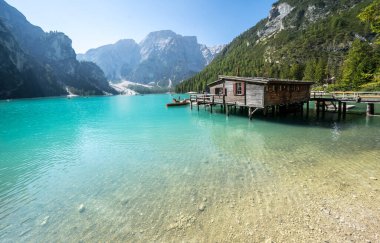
(129, 169)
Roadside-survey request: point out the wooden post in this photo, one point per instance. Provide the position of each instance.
(344, 109)
(250, 113)
(224, 101)
(370, 109)
(323, 108)
(307, 108)
(273, 110)
(265, 110)
(227, 111)
(339, 109)
(317, 104)
(245, 93)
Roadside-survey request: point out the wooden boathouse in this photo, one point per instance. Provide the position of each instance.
(255, 93)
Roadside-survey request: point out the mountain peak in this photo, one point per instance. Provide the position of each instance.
(162, 56)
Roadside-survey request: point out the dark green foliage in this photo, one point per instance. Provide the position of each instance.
(313, 51)
(360, 66)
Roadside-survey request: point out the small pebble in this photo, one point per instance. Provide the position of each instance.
(44, 222)
(373, 178)
(81, 208)
(202, 207)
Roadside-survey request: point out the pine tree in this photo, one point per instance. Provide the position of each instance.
(320, 71)
(359, 66)
(309, 74)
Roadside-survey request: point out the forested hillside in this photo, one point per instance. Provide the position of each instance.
(314, 40)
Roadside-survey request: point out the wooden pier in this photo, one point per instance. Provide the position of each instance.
(211, 102)
(324, 102)
(339, 100)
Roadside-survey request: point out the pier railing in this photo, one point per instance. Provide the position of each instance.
(207, 98)
(348, 96)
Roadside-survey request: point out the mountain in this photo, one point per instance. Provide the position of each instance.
(163, 57)
(37, 64)
(313, 40)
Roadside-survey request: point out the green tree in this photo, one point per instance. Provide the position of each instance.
(371, 14)
(309, 74)
(296, 71)
(359, 66)
(320, 71)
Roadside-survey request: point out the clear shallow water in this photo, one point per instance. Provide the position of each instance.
(147, 173)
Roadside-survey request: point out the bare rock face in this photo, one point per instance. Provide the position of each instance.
(163, 58)
(58, 47)
(38, 64)
(275, 20)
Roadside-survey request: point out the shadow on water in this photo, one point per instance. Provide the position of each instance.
(355, 116)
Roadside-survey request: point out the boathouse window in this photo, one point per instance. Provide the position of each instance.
(239, 89)
(219, 91)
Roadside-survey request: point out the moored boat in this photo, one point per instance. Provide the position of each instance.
(178, 103)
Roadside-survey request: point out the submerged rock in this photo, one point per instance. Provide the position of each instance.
(202, 207)
(44, 222)
(81, 208)
(373, 178)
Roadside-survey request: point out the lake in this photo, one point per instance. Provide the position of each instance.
(129, 169)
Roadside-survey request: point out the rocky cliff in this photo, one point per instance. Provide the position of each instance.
(37, 64)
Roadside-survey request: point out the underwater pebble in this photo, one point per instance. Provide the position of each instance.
(373, 178)
(204, 199)
(202, 207)
(81, 208)
(44, 222)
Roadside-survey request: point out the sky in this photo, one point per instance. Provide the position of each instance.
(93, 23)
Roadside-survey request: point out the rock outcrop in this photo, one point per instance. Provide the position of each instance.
(37, 64)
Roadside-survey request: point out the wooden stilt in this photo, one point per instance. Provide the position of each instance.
(344, 109)
(307, 108)
(318, 106)
(339, 109)
(323, 108)
(370, 109)
(224, 102)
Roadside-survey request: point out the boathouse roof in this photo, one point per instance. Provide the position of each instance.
(258, 80)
